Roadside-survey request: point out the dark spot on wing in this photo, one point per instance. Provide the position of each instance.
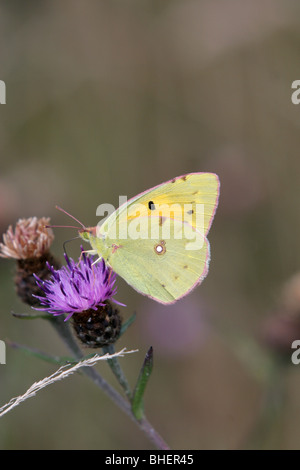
(161, 220)
(151, 205)
(185, 266)
(173, 180)
(190, 212)
(183, 178)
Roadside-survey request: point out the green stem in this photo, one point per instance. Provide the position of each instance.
(116, 369)
(64, 331)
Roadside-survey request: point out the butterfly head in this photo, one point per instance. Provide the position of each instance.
(87, 233)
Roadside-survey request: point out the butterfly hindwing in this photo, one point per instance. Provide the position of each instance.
(163, 267)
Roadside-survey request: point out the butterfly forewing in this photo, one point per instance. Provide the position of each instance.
(191, 198)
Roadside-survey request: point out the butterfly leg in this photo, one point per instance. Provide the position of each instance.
(110, 270)
(90, 252)
(98, 259)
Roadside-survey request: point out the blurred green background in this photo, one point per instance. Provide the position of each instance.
(110, 98)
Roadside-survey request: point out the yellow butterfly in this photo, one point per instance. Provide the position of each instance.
(157, 241)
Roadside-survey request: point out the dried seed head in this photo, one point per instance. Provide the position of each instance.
(25, 283)
(29, 245)
(31, 239)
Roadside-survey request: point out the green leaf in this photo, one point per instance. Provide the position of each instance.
(137, 405)
(61, 360)
(32, 316)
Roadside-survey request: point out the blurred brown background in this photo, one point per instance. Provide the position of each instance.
(110, 98)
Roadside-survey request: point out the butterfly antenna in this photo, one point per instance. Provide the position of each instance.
(72, 216)
(61, 226)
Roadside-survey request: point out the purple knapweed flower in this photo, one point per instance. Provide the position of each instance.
(77, 287)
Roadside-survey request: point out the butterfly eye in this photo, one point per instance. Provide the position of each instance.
(151, 205)
(160, 248)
